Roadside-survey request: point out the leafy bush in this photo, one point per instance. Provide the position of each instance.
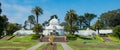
(116, 31)
(71, 37)
(85, 37)
(35, 36)
(77, 35)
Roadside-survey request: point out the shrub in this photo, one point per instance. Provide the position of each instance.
(71, 37)
(116, 31)
(35, 36)
(85, 37)
(77, 35)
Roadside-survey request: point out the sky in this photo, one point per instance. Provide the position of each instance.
(18, 11)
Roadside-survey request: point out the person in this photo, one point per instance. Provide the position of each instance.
(51, 39)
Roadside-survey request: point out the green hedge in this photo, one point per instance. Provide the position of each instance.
(35, 36)
(71, 37)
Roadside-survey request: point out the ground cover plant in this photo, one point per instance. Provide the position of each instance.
(93, 44)
(19, 42)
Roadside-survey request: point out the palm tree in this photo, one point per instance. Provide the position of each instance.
(37, 11)
(31, 20)
(89, 18)
(25, 24)
(81, 20)
(71, 17)
(98, 25)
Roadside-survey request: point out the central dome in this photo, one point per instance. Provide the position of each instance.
(54, 21)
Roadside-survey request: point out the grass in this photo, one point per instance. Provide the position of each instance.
(22, 42)
(82, 44)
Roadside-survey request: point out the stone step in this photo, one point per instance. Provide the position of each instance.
(106, 39)
(56, 39)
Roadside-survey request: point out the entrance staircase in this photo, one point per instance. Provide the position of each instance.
(56, 39)
(107, 39)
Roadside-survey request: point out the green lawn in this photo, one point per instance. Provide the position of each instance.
(82, 44)
(21, 42)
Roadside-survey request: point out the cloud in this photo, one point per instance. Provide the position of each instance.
(17, 13)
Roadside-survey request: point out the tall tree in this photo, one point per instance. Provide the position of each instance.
(81, 20)
(98, 25)
(111, 18)
(89, 17)
(71, 17)
(3, 22)
(25, 24)
(31, 20)
(38, 28)
(37, 11)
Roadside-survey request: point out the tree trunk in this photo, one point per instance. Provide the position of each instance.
(37, 23)
(37, 18)
(71, 27)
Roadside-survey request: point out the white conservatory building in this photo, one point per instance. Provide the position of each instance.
(53, 27)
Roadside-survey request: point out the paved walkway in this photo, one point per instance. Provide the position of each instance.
(36, 46)
(66, 47)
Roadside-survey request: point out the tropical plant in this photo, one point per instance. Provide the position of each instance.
(25, 24)
(38, 28)
(98, 25)
(71, 17)
(80, 22)
(37, 11)
(88, 18)
(72, 29)
(31, 20)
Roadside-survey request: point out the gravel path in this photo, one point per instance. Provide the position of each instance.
(66, 47)
(36, 46)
